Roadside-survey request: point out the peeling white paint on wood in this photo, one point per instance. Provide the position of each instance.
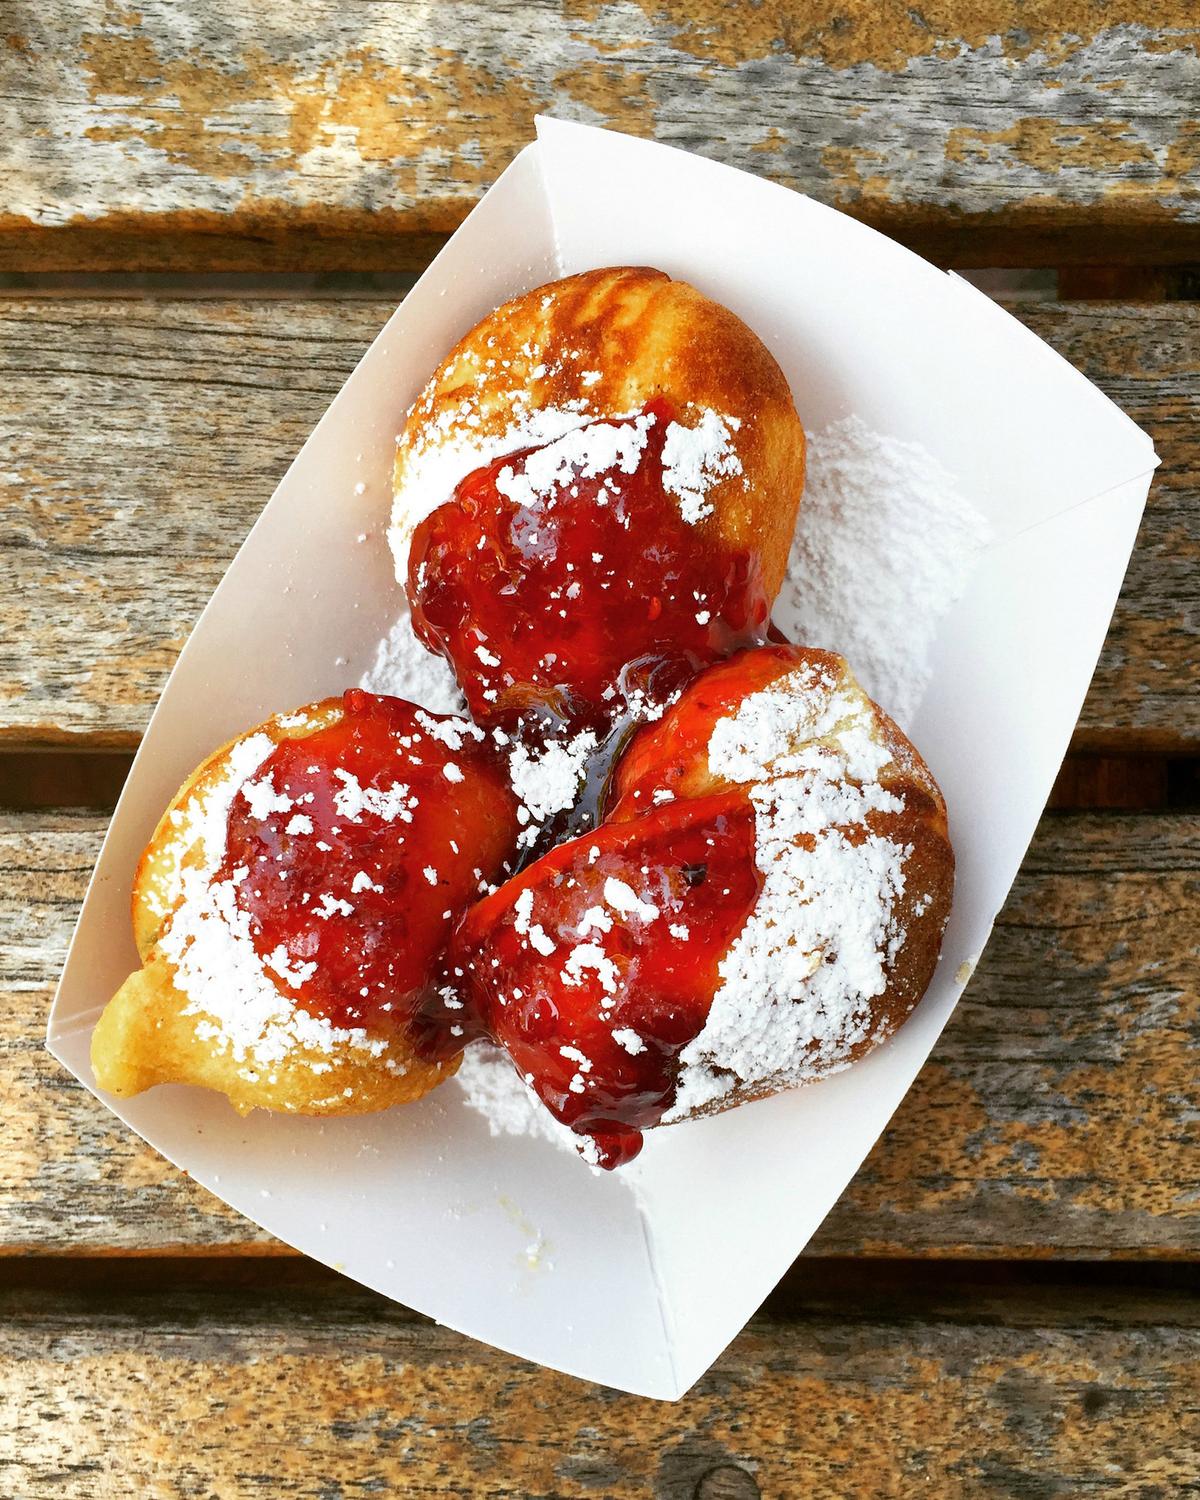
(240, 111)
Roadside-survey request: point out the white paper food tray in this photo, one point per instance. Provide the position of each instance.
(642, 1289)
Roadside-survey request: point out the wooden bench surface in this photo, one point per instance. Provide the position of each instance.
(1004, 1300)
(356, 133)
(1055, 1118)
(321, 1390)
(144, 437)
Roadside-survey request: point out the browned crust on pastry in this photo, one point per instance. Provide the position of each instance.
(152, 877)
(644, 335)
(151, 1033)
(920, 827)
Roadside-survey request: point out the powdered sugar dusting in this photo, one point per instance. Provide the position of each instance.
(570, 440)
(583, 453)
(453, 447)
(264, 799)
(805, 722)
(352, 799)
(534, 933)
(885, 544)
(798, 982)
(591, 958)
(695, 458)
(404, 669)
(626, 901)
(199, 830)
(547, 781)
(493, 1088)
(207, 939)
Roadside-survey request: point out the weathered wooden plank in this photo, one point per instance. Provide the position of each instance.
(355, 133)
(339, 1393)
(111, 402)
(142, 438)
(1146, 690)
(1056, 1117)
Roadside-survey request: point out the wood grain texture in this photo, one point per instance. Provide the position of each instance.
(342, 1394)
(1056, 1117)
(333, 133)
(143, 437)
(1146, 691)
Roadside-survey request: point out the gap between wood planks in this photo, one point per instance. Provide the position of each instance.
(1115, 283)
(1026, 283)
(48, 776)
(1008, 1291)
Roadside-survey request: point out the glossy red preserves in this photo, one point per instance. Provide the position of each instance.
(560, 600)
(355, 849)
(596, 966)
(671, 755)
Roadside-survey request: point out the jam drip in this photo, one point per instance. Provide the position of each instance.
(356, 848)
(541, 602)
(597, 966)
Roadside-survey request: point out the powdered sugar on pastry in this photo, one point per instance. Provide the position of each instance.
(695, 457)
(352, 799)
(546, 778)
(207, 939)
(547, 781)
(805, 722)
(571, 441)
(451, 448)
(264, 798)
(797, 984)
(199, 831)
(599, 448)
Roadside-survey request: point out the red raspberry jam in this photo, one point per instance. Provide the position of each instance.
(597, 965)
(375, 835)
(671, 755)
(593, 589)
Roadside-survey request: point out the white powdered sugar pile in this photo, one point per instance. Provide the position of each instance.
(452, 448)
(693, 460)
(547, 781)
(403, 668)
(884, 545)
(797, 984)
(600, 448)
(494, 1089)
(200, 830)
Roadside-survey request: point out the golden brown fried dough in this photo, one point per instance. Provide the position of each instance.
(250, 984)
(606, 342)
